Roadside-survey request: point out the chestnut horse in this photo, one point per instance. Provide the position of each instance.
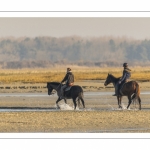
(130, 89)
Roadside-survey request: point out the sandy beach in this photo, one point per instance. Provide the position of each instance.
(98, 117)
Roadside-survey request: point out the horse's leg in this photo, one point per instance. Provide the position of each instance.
(129, 102)
(82, 102)
(65, 100)
(75, 104)
(119, 101)
(139, 99)
(78, 102)
(57, 102)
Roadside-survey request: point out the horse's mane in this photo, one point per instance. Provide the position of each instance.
(114, 78)
(55, 83)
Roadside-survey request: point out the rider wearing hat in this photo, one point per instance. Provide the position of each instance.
(126, 75)
(69, 79)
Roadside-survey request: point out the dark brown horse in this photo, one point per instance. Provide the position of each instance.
(130, 89)
(75, 93)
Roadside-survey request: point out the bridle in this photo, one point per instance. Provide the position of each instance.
(56, 89)
(110, 81)
(106, 82)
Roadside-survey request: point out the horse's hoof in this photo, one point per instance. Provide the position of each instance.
(57, 107)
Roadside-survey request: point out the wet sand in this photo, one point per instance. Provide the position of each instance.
(100, 116)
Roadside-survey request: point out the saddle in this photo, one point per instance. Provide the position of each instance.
(68, 88)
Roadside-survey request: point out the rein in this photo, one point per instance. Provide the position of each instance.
(56, 89)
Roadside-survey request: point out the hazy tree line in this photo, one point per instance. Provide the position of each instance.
(94, 51)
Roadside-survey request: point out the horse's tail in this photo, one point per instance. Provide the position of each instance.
(136, 95)
(137, 92)
(81, 94)
(80, 97)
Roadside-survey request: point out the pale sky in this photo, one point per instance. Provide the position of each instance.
(138, 28)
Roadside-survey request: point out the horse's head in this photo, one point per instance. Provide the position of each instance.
(50, 88)
(108, 80)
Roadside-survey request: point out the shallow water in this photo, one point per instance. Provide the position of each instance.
(63, 107)
(95, 101)
(45, 94)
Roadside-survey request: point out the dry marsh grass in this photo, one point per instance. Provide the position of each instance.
(57, 74)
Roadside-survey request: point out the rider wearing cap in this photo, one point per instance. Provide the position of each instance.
(69, 79)
(126, 75)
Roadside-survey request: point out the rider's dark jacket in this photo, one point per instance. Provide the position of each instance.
(69, 78)
(126, 75)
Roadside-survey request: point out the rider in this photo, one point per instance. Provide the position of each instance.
(69, 79)
(126, 75)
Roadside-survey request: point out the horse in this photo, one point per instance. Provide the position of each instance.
(74, 93)
(130, 89)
